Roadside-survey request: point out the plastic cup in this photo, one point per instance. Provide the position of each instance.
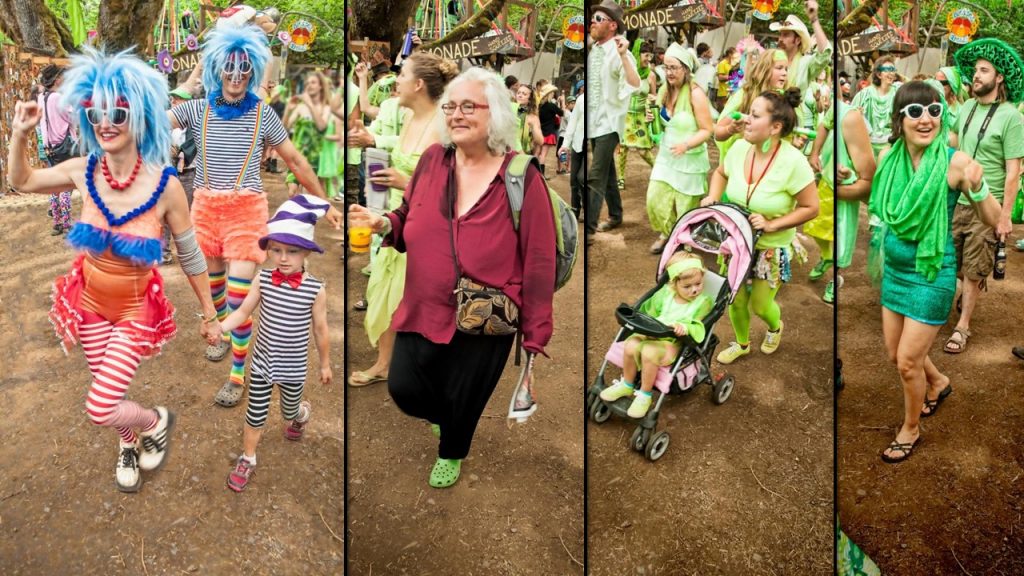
(359, 238)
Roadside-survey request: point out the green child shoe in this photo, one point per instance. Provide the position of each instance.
(445, 473)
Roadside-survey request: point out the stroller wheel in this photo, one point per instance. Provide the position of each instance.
(721, 390)
(591, 398)
(657, 446)
(600, 412)
(639, 439)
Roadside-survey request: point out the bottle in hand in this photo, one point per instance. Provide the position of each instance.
(999, 272)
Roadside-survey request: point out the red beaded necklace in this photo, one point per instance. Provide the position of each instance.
(114, 183)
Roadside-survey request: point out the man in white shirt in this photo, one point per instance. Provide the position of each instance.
(573, 144)
(612, 79)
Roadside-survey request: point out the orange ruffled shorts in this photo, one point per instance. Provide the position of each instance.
(229, 223)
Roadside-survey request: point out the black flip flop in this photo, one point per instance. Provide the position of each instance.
(933, 405)
(907, 448)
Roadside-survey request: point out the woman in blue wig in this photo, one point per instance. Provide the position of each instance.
(113, 301)
(231, 127)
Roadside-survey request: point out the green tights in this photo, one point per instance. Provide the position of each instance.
(826, 248)
(761, 299)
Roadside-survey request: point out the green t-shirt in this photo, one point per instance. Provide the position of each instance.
(775, 196)
(1004, 139)
(353, 155)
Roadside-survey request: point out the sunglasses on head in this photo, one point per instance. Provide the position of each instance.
(915, 111)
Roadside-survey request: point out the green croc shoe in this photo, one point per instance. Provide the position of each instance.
(819, 270)
(436, 429)
(445, 473)
(829, 297)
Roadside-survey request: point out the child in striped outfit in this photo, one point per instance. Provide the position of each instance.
(290, 300)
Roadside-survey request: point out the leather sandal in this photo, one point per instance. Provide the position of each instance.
(906, 449)
(933, 405)
(957, 341)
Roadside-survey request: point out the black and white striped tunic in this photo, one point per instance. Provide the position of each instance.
(229, 142)
(281, 351)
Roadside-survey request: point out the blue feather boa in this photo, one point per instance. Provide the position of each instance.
(140, 251)
(247, 103)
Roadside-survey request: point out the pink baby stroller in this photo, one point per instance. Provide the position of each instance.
(716, 229)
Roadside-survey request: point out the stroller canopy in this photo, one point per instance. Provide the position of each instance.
(717, 229)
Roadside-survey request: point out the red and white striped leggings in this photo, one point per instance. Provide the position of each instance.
(113, 359)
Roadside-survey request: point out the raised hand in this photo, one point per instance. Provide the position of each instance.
(26, 117)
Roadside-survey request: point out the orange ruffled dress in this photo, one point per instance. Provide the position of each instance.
(115, 275)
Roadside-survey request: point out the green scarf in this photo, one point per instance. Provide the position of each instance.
(913, 203)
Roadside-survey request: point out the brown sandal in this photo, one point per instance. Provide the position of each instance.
(955, 344)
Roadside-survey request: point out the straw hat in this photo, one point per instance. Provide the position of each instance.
(793, 24)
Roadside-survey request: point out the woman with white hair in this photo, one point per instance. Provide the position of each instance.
(679, 177)
(455, 228)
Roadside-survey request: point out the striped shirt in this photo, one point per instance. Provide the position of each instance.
(281, 351)
(229, 142)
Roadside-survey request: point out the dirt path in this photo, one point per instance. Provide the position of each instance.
(518, 507)
(958, 500)
(59, 510)
(745, 487)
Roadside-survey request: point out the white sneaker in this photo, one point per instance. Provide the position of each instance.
(772, 340)
(126, 475)
(156, 442)
(734, 351)
(618, 389)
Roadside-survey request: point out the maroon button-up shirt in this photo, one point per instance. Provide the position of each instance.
(490, 251)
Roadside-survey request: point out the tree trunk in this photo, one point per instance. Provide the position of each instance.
(123, 24)
(859, 19)
(477, 24)
(31, 25)
(383, 20)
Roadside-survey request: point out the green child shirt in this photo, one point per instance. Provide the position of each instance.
(663, 307)
(1003, 139)
(775, 195)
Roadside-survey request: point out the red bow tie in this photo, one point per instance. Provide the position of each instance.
(293, 280)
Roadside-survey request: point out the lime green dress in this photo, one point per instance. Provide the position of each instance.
(308, 141)
(387, 279)
(329, 166)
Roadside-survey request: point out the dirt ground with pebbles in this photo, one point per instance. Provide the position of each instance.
(59, 510)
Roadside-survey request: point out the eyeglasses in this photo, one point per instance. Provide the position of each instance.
(915, 111)
(887, 69)
(944, 82)
(467, 108)
(673, 68)
(118, 117)
(598, 18)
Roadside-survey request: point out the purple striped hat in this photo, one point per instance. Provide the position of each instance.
(294, 221)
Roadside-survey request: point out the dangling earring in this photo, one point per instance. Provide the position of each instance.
(766, 146)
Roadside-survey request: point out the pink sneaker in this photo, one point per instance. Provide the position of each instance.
(295, 429)
(239, 477)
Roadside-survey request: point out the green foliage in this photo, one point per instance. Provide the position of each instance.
(1005, 23)
(90, 11)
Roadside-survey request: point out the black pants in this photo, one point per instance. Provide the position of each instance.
(447, 384)
(601, 181)
(577, 179)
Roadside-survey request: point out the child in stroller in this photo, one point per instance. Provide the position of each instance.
(681, 304)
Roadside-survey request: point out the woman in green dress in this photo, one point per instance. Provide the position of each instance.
(418, 87)
(639, 119)
(679, 177)
(913, 194)
(876, 102)
(307, 118)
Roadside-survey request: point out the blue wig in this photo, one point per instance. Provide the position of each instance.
(225, 40)
(103, 80)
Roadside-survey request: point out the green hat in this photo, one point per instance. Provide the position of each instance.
(955, 80)
(181, 93)
(1005, 59)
